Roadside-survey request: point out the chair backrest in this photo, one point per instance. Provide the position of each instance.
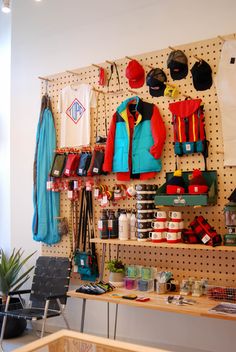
(51, 277)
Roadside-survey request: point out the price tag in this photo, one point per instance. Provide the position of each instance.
(96, 193)
(206, 238)
(49, 185)
(70, 194)
(99, 224)
(104, 201)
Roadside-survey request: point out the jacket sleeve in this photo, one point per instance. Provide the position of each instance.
(158, 133)
(109, 151)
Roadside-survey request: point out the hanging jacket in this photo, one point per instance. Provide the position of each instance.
(46, 203)
(135, 140)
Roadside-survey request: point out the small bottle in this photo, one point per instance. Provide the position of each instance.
(103, 225)
(128, 214)
(123, 226)
(112, 225)
(133, 227)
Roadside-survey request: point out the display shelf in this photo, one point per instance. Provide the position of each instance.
(195, 200)
(162, 245)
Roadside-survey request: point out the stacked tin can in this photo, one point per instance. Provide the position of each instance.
(145, 206)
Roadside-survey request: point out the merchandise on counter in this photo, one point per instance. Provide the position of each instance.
(185, 288)
(123, 226)
(147, 273)
(230, 221)
(113, 66)
(146, 285)
(205, 232)
(133, 221)
(132, 271)
(136, 126)
(95, 167)
(189, 127)
(171, 91)
(72, 163)
(103, 227)
(102, 79)
(189, 236)
(222, 293)
(177, 62)
(162, 198)
(176, 184)
(85, 257)
(197, 183)
(44, 224)
(160, 215)
(74, 105)
(157, 236)
(202, 75)
(156, 79)
(130, 284)
(197, 289)
(135, 74)
(113, 225)
(58, 165)
(85, 159)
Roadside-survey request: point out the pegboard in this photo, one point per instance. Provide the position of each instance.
(217, 266)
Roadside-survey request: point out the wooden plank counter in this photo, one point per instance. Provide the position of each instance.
(158, 302)
(66, 340)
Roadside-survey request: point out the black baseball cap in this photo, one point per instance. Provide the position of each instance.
(202, 75)
(156, 79)
(177, 62)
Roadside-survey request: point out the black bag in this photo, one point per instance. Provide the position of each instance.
(85, 256)
(85, 159)
(58, 165)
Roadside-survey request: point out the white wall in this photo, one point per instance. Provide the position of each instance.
(5, 67)
(55, 35)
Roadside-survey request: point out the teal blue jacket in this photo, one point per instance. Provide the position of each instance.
(137, 150)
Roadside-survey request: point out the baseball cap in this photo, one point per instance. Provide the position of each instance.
(202, 75)
(177, 62)
(135, 74)
(156, 79)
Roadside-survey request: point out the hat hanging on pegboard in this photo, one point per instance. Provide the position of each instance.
(177, 62)
(135, 74)
(202, 75)
(156, 79)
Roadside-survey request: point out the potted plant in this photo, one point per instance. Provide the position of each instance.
(11, 279)
(116, 272)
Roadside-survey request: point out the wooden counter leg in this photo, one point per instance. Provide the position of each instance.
(103, 261)
(115, 325)
(108, 320)
(83, 315)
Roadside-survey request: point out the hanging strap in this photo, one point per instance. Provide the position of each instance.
(113, 65)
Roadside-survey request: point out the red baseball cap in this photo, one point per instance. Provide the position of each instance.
(135, 74)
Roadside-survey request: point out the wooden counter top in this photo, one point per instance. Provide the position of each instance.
(158, 302)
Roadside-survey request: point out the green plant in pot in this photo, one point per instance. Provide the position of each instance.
(12, 277)
(116, 272)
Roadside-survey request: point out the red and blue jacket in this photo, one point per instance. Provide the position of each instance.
(135, 141)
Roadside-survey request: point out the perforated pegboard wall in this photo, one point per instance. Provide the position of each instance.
(216, 266)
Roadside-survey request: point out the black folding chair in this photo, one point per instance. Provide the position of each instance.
(47, 295)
